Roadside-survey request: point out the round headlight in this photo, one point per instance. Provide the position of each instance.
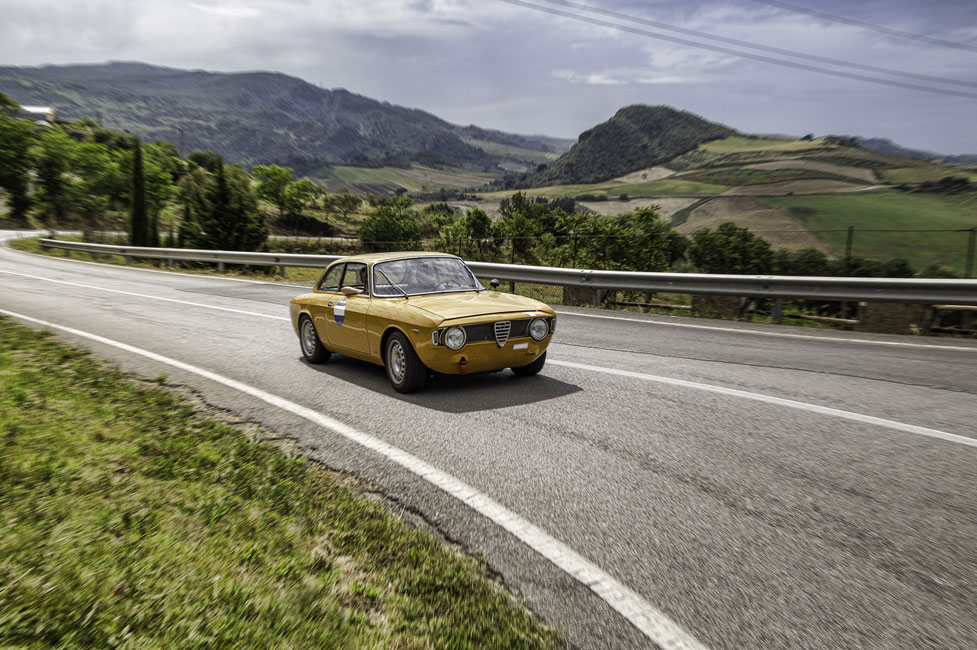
(454, 338)
(538, 329)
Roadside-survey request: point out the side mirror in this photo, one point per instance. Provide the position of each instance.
(495, 284)
(351, 291)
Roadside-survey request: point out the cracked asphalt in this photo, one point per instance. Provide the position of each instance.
(749, 524)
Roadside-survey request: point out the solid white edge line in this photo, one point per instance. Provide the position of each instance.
(142, 270)
(739, 330)
(814, 408)
(653, 623)
(779, 401)
(144, 295)
(735, 330)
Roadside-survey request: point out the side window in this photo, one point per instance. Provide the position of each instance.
(330, 281)
(355, 276)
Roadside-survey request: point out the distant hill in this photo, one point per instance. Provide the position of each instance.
(266, 117)
(637, 137)
(884, 145)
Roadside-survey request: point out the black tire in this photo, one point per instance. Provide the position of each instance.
(312, 348)
(531, 369)
(404, 370)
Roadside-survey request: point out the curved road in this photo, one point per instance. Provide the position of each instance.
(701, 484)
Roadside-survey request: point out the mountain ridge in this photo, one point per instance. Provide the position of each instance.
(636, 137)
(260, 117)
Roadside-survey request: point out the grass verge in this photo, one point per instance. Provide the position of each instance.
(131, 520)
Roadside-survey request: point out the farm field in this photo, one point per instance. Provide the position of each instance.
(414, 179)
(741, 143)
(829, 216)
(926, 172)
(512, 151)
(613, 189)
(776, 224)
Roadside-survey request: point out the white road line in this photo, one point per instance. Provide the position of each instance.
(632, 606)
(740, 330)
(779, 401)
(814, 408)
(737, 330)
(144, 295)
(137, 268)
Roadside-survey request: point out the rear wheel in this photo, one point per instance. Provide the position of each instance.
(312, 348)
(531, 369)
(404, 370)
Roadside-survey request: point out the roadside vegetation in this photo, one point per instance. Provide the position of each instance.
(132, 520)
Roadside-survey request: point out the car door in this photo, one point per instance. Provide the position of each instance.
(320, 308)
(345, 316)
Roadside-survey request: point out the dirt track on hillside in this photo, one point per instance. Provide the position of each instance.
(644, 175)
(667, 205)
(776, 225)
(794, 187)
(861, 173)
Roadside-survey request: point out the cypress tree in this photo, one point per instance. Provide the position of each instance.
(138, 222)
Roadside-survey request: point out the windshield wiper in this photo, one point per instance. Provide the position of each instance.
(391, 284)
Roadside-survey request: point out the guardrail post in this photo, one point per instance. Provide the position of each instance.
(968, 271)
(220, 267)
(849, 243)
(169, 262)
(778, 310)
(597, 298)
(281, 270)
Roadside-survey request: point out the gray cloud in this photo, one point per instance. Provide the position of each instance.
(500, 66)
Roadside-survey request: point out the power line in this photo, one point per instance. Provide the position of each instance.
(765, 48)
(860, 23)
(746, 55)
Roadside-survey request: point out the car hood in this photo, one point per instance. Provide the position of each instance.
(461, 305)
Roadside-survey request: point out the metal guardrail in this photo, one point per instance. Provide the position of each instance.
(921, 291)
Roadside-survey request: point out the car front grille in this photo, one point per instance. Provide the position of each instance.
(502, 330)
(486, 331)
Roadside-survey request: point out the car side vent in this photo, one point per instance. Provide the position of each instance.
(502, 329)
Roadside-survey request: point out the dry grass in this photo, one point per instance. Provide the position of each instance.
(777, 225)
(859, 173)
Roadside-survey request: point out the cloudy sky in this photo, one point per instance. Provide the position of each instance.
(491, 63)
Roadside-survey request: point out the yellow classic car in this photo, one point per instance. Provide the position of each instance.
(417, 314)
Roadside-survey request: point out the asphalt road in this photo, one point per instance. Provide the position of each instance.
(745, 523)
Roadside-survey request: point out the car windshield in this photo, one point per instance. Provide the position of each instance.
(422, 275)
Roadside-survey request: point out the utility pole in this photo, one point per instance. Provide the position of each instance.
(968, 270)
(848, 246)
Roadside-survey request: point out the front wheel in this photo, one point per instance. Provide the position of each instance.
(404, 370)
(312, 348)
(531, 369)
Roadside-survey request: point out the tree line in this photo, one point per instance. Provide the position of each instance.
(82, 175)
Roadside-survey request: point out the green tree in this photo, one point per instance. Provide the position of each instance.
(208, 160)
(139, 226)
(730, 249)
(221, 211)
(344, 202)
(273, 183)
(301, 194)
(51, 159)
(93, 183)
(16, 140)
(8, 106)
(389, 229)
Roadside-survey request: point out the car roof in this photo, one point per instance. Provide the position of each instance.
(370, 258)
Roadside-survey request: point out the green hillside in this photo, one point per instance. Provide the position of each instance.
(417, 178)
(878, 218)
(636, 137)
(260, 117)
